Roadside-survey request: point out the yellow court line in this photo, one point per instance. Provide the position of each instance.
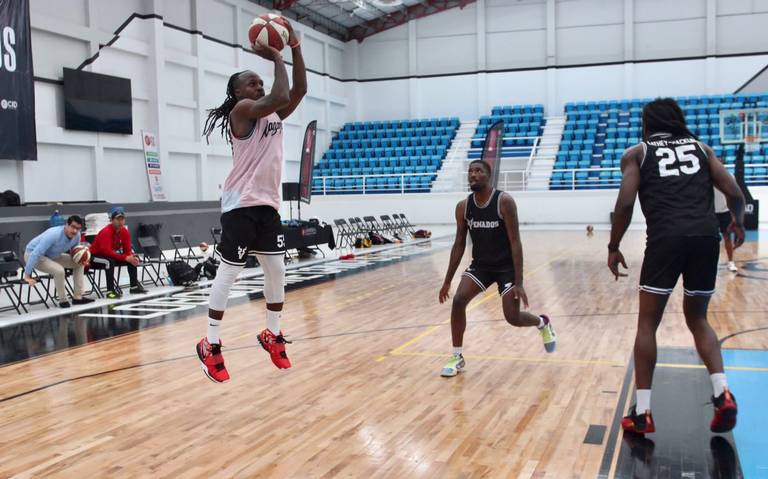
(487, 297)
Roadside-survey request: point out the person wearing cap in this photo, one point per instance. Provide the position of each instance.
(112, 247)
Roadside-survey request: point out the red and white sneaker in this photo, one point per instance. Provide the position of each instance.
(212, 361)
(725, 412)
(275, 346)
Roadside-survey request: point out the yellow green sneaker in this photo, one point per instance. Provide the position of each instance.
(548, 334)
(453, 366)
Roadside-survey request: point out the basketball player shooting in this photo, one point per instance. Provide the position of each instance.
(674, 174)
(251, 121)
(490, 216)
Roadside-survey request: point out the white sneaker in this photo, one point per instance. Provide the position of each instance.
(453, 366)
(732, 267)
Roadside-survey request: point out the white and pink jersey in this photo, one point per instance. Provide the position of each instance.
(258, 167)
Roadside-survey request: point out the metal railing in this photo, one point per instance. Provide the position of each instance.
(366, 187)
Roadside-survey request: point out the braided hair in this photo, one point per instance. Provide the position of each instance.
(222, 112)
(664, 115)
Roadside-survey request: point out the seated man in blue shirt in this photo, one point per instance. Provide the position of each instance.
(49, 252)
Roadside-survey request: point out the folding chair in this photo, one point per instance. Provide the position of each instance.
(153, 257)
(11, 275)
(344, 233)
(373, 225)
(390, 226)
(180, 242)
(409, 227)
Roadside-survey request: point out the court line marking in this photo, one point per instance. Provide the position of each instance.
(490, 295)
(580, 362)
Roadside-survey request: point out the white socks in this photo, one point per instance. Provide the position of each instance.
(213, 331)
(458, 351)
(273, 321)
(542, 323)
(643, 401)
(719, 383)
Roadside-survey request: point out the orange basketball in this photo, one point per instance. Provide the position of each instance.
(269, 29)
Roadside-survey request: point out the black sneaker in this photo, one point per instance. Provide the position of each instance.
(64, 304)
(138, 289)
(82, 301)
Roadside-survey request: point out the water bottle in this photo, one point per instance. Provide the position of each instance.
(56, 219)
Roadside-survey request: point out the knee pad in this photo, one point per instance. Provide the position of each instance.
(274, 277)
(225, 277)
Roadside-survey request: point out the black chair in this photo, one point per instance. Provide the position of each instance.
(409, 227)
(12, 276)
(180, 242)
(373, 225)
(390, 226)
(344, 233)
(153, 257)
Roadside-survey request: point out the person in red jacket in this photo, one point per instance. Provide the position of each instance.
(111, 248)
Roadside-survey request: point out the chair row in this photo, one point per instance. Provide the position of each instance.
(348, 232)
(376, 170)
(452, 122)
(351, 153)
(392, 142)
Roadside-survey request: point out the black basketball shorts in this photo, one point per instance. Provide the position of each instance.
(484, 279)
(693, 257)
(254, 229)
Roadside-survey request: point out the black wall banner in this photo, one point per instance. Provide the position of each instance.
(492, 150)
(17, 83)
(307, 163)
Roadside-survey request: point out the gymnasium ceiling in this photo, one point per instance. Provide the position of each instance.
(358, 19)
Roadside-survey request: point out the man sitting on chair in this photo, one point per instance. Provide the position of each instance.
(49, 252)
(112, 247)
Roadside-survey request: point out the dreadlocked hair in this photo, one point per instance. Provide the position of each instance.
(664, 115)
(222, 112)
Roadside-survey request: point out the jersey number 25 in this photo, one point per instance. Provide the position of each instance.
(688, 162)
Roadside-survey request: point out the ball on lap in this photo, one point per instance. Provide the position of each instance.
(81, 254)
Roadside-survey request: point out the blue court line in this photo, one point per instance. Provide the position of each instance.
(750, 389)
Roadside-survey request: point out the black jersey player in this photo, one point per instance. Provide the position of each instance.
(490, 217)
(674, 173)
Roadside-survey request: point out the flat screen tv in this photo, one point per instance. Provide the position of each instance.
(95, 102)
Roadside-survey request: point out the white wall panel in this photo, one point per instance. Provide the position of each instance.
(312, 49)
(664, 10)
(52, 52)
(446, 54)
(75, 11)
(125, 176)
(62, 173)
(383, 58)
(595, 44)
(448, 96)
(592, 83)
(217, 19)
(571, 13)
(742, 33)
(179, 82)
(454, 22)
(516, 49)
(505, 16)
(384, 100)
(680, 38)
(218, 169)
(180, 176)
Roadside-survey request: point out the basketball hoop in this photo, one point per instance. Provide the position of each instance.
(751, 144)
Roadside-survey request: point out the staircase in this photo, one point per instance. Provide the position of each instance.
(544, 160)
(452, 176)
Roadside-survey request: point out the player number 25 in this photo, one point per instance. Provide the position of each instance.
(689, 163)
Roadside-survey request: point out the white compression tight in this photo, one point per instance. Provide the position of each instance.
(274, 277)
(225, 277)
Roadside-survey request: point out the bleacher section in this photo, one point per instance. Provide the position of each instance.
(384, 156)
(597, 133)
(522, 123)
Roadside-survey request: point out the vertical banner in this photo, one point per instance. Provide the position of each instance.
(307, 163)
(492, 150)
(152, 162)
(17, 83)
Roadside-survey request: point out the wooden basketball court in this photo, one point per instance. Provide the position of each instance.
(364, 397)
